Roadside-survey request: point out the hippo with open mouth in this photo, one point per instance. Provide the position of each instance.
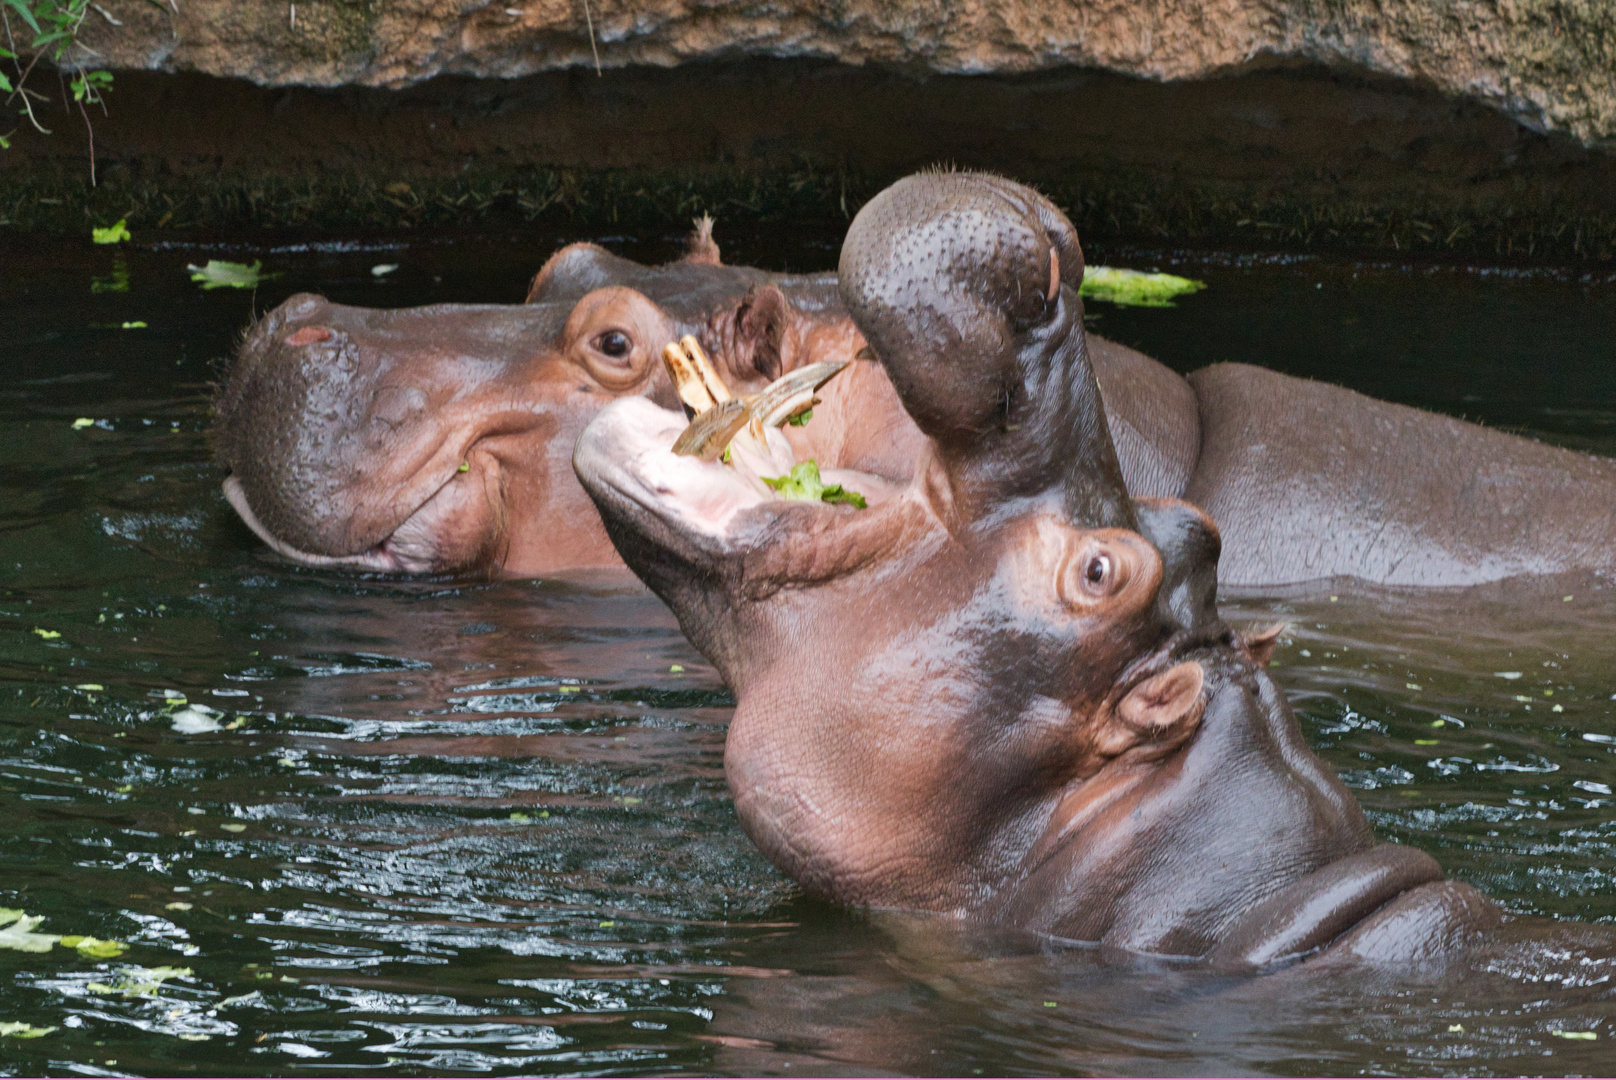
(1004, 691)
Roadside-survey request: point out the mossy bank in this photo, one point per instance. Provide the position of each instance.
(1290, 157)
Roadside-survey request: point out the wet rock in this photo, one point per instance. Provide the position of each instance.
(1547, 63)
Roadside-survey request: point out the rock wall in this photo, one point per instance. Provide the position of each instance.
(1549, 64)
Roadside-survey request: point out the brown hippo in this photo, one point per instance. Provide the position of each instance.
(1004, 692)
(439, 439)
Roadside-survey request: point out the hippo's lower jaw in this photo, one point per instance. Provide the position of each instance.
(699, 509)
(408, 550)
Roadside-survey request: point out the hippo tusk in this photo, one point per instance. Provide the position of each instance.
(720, 417)
(694, 378)
(711, 432)
(790, 394)
(687, 380)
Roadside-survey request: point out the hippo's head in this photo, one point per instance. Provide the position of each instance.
(1003, 690)
(440, 438)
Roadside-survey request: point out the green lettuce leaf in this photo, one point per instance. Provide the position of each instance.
(1134, 288)
(804, 485)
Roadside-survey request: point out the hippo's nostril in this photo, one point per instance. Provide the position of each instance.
(310, 335)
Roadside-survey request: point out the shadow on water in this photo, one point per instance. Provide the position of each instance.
(452, 827)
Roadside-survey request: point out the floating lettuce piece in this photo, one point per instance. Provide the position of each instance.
(218, 274)
(1134, 288)
(112, 234)
(804, 485)
(18, 932)
(96, 948)
(196, 720)
(16, 1029)
(140, 981)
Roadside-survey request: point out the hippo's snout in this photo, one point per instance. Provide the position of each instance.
(291, 418)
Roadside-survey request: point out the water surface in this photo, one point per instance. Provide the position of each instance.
(458, 827)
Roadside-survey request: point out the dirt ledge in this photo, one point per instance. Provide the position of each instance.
(1302, 156)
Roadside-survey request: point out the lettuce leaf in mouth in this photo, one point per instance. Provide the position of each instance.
(804, 485)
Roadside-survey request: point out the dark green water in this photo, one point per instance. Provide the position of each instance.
(482, 828)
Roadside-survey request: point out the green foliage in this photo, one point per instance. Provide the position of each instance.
(804, 485)
(112, 234)
(1134, 288)
(139, 981)
(218, 274)
(18, 932)
(54, 28)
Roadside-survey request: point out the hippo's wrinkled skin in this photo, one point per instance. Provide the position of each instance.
(440, 438)
(1005, 692)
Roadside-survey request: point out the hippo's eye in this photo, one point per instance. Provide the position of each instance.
(1097, 572)
(1093, 575)
(614, 343)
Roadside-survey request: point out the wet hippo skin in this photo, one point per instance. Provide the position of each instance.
(1004, 692)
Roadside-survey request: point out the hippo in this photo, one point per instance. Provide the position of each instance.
(1004, 692)
(438, 439)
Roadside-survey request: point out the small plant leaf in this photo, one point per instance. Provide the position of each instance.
(139, 981)
(196, 720)
(218, 274)
(95, 948)
(19, 933)
(27, 16)
(112, 234)
(1134, 288)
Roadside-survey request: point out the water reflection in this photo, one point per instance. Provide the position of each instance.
(451, 827)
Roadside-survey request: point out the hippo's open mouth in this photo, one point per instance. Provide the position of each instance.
(696, 480)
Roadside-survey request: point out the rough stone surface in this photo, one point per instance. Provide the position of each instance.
(1551, 64)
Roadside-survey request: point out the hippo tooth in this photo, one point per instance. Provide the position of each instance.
(793, 392)
(687, 380)
(709, 434)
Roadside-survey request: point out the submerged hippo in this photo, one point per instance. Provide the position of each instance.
(438, 439)
(1004, 692)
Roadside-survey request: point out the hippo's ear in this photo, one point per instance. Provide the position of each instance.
(700, 247)
(1162, 711)
(1261, 643)
(759, 332)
